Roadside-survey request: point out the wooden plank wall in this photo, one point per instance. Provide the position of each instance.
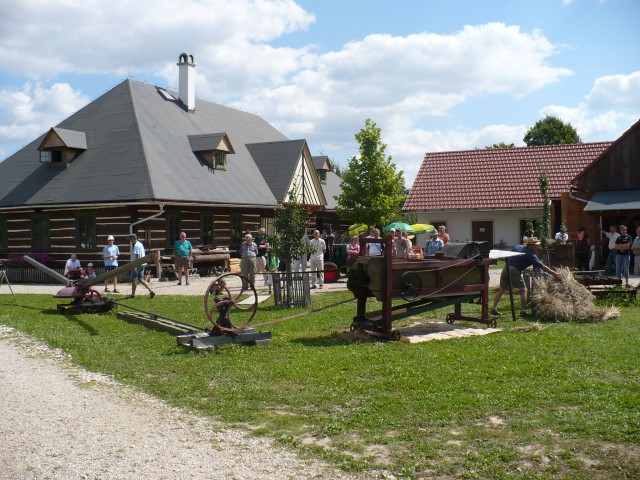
(619, 169)
(116, 221)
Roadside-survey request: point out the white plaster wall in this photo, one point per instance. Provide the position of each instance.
(506, 223)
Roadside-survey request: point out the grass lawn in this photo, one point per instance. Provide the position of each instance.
(560, 402)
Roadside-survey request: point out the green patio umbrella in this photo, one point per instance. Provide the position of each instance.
(400, 226)
(422, 227)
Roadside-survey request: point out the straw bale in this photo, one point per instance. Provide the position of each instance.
(567, 300)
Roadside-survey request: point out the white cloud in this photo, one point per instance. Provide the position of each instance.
(31, 110)
(615, 91)
(401, 82)
(94, 36)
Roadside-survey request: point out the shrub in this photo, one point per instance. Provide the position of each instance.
(17, 259)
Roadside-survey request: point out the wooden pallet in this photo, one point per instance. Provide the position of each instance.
(155, 322)
(202, 341)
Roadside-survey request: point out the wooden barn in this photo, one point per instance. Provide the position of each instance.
(607, 191)
(147, 160)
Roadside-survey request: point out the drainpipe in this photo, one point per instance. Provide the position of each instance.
(161, 206)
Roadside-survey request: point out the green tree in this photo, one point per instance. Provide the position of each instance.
(372, 190)
(337, 168)
(501, 145)
(290, 224)
(551, 131)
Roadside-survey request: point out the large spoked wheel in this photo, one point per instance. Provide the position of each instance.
(451, 318)
(230, 294)
(89, 300)
(411, 286)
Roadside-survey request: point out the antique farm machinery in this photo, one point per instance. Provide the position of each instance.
(85, 298)
(459, 275)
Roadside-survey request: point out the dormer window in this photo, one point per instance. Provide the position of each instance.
(322, 174)
(50, 156)
(213, 148)
(221, 160)
(61, 146)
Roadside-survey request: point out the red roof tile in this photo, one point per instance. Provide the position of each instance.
(497, 177)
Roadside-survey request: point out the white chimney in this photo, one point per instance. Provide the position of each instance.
(186, 90)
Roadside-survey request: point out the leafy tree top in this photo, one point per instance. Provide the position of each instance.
(372, 190)
(551, 131)
(500, 145)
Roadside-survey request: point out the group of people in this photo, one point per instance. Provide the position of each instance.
(621, 246)
(255, 258)
(110, 253)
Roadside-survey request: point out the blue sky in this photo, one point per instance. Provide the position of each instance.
(435, 75)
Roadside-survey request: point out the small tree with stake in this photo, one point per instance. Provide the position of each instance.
(288, 242)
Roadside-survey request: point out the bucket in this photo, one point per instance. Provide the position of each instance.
(331, 273)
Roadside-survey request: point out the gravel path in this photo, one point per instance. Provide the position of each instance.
(61, 422)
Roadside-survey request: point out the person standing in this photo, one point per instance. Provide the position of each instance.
(73, 268)
(583, 250)
(375, 249)
(635, 249)
(261, 258)
(434, 244)
(137, 273)
(623, 254)
(443, 235)
(182, 250)
(319, 247)
(110, 254)
(610, 264)
(402, 245)
(248, 254)
(516, 266)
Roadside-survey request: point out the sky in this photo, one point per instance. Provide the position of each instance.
(434, 75)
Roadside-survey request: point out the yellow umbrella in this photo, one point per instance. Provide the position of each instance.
(422, 227)
(356, 228)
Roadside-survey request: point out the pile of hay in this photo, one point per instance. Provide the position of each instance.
(567, 301)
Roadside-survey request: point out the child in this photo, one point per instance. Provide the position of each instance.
(90, 272)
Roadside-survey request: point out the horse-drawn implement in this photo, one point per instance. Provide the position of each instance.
(85, 298)
(434, 282)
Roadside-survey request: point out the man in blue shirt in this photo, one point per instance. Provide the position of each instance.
(434, 245)
(516, 266)
(137, 274)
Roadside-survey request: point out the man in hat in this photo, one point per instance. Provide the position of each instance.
(434, 244)
(137, 274)
(516, 266)
(110, 254)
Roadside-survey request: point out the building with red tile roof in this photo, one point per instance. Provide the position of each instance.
(488, 194)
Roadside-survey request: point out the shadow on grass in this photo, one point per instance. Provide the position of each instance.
(339, 339)
(81, 323)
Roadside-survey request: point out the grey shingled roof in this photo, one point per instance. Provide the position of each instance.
(277, 162)
(138, 150)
